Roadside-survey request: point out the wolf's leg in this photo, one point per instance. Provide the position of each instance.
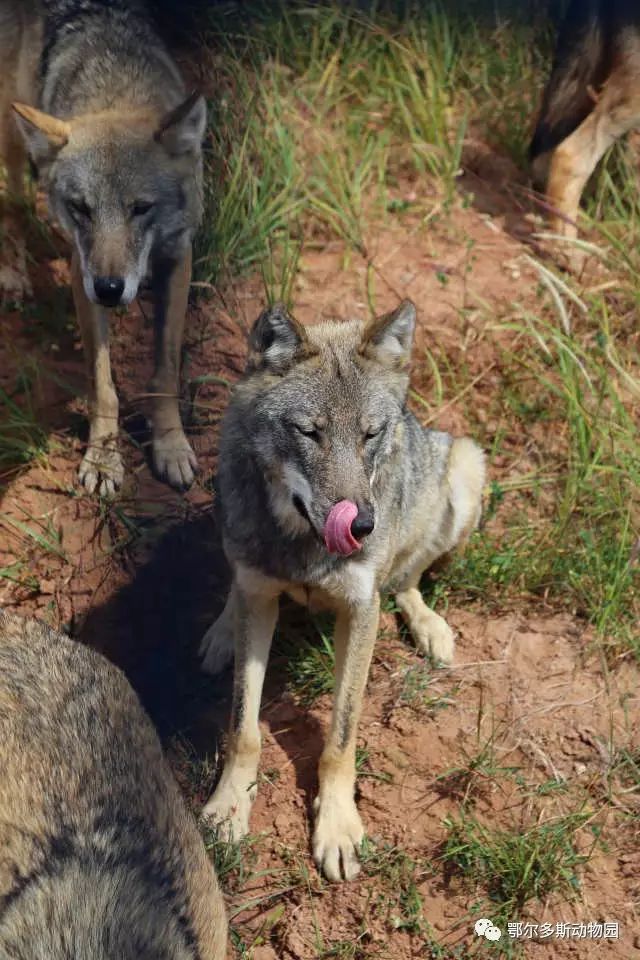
(14, 279)
(101, 465)
(254, 616)
(217, 644)
(173, 458)
(575, 159)
(463, 490)
(338, 827)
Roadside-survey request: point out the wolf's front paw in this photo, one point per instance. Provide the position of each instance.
(173, 458)
(217, 647)
(337, 837)
(434, 636)
(228, 810)
(101, 468)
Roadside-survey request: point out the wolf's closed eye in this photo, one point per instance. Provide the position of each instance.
(141, 207)
(309, 430)
(373, 432)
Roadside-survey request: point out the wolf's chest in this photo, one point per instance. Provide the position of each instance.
(314, 598)
(351, 583)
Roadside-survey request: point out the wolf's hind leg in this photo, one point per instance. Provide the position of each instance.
(254, 619)
(101, 466)
(216, 648)
(173, 458)
(574, 160)
(464, 483)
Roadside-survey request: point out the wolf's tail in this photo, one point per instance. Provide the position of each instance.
(580, 67)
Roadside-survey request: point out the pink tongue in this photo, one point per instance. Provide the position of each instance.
(337, 529)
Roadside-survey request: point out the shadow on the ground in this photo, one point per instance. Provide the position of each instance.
(151, 628)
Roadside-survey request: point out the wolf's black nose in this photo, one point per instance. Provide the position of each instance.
(109, 290)
(363, 524)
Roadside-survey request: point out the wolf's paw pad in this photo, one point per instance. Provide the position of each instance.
(15, 286)
(228, 810)
(101, 469)
(336, 839)
(173, 458)
(434, 637)
(217, 647)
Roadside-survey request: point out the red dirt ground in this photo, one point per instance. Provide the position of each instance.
(142, 578)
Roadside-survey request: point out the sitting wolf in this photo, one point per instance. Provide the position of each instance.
(330, 491)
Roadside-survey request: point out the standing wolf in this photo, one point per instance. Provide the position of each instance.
(102, 110)
(592, 99)
(99, 858)
(332, 492)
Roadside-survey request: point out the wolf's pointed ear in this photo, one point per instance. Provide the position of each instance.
(43, 134)
(182, 130)
(388, 339)
(277, 340)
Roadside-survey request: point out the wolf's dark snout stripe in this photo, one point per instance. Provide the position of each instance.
(300, 507)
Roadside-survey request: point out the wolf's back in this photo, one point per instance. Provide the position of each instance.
(97, 848)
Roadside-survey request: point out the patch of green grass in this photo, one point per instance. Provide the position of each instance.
(397, 899)
(364, 770)
(309, 661)
(512, 869)
(279, 272)
(348, 950)
(17, 572)
(627, 767)
(196, 775)
(232, 859)
(416, 690)
(42, 534)
(23, 437)
(507, 67)
(399, 876)
(574, 538)
(478, 771)
(320, 109)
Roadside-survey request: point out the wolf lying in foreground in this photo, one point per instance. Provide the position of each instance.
(592, 99)
(100, 859)
(330, 491)
(117, 145)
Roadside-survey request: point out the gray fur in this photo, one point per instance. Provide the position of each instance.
(320, 417)
(94, 96)
(351, 392)
(100, 859)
